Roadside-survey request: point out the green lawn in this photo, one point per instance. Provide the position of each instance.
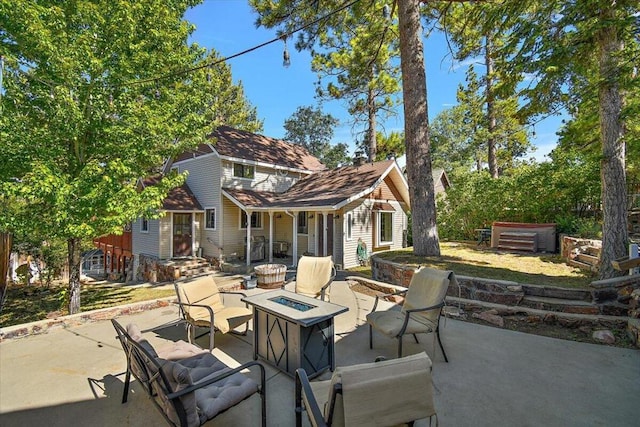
(468, 259)
(30, 303)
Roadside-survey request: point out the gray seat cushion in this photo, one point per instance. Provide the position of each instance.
(220, 395)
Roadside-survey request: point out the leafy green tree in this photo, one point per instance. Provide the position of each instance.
(313, 129)
(492, 103)
(318, 18)
(96, 97)
(390, 145)
(352, 50)
(568, 44)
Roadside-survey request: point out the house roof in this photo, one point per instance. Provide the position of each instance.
(327, 189)
(179, 198)
(236, 144)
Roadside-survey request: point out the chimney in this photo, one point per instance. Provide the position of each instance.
(358, 159)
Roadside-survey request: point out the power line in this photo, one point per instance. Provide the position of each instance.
(282, 37)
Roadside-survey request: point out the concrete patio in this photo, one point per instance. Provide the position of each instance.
(495, 377)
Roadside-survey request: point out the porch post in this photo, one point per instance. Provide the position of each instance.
(324, 233)
(294, 246)
(270, 237)
(248, 254)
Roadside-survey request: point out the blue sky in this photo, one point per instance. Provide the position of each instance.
(228, 26)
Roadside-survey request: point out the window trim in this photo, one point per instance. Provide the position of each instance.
(379, 227)
(349, 228)
(243, 215)
(243, 166)
(144, 225)
(206, 218)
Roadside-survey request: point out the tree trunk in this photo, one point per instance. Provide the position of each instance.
(74, 259)
(491, 111)
(416, 128)
(371, 131)
(6, 241)
(614, 196)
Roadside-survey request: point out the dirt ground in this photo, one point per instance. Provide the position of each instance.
(521, 323)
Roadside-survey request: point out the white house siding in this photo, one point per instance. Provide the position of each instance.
(204, 181)
(265, 179)
(145, 243)
(165, 236)
(362, 228)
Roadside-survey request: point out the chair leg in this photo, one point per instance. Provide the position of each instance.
(191, 333)
(370, 336)
(212, 334)
(399, 346)
(127, 379)
(441, 347)
(416, 338)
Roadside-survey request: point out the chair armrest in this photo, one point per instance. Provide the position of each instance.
(211, 313)
(225, 374)
(244, 295)
(400, 292)
(407, 315)
(431, 307)
(304, 393)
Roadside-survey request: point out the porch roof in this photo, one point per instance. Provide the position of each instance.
(327, 189)
(179, 198)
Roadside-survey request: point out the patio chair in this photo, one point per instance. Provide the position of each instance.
(201, 305)
(314, 275)
(188, 391)
(420, 312)
(382, 393)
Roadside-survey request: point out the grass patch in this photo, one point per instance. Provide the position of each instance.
(468, 259)
(26, 304)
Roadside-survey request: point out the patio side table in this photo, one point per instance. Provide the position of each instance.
(292, 331)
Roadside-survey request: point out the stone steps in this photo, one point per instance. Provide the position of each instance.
(560, 305)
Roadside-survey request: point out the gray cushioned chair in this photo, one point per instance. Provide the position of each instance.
(386, 393)
(420, 312)
(192, 390)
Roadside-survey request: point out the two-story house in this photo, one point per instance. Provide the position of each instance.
(251, 197)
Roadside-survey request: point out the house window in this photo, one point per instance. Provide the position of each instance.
(243, 171)
(303, 227)
(210, 218)
(349, 225)
(144, 225)
(385, 233)
(256, 220)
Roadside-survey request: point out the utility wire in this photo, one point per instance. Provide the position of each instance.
(283, 36)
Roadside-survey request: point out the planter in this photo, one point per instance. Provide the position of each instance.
(270, 276)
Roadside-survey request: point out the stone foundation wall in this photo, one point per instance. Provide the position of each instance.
(151, 270)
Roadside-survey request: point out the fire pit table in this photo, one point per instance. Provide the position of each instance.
(292, 331)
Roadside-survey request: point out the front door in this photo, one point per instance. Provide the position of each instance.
(182, 239)
(329, 235)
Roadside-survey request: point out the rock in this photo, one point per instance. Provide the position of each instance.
(454, 312)
(494, 319)
(604, 336)
(633, 330)
(514, 288)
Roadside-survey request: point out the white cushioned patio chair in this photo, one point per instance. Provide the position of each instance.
(314, 275)
(201, 305)
(386, 393)
(420, 312)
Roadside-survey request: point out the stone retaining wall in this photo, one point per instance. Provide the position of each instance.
(607, 297)
(42, 326)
